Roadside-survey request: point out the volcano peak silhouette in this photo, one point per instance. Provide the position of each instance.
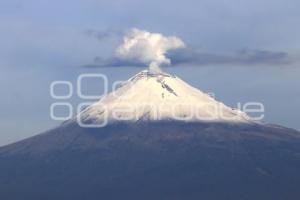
(150, 157)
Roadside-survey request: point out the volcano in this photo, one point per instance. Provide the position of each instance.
(155, 137)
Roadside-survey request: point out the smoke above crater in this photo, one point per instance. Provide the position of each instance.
(149, 48)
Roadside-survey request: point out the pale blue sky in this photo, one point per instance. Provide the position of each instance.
(43, 40)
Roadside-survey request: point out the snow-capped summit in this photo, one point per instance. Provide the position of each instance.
(151, 96)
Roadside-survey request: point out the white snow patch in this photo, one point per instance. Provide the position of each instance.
(152, 96)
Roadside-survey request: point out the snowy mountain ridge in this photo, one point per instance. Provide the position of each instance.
(152, 96)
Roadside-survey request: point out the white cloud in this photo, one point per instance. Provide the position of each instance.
(149, 48)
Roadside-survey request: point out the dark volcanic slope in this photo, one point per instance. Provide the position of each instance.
(154, 161)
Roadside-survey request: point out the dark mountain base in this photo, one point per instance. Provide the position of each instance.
(154, 161)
